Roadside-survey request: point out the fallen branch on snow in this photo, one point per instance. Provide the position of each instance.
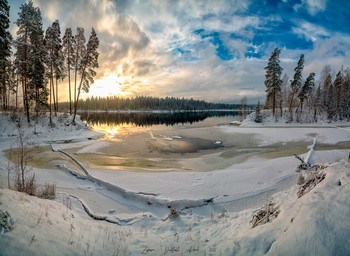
(267, 213)
(314, 177)
(303, 166)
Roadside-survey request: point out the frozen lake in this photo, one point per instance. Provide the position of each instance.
(189, 141)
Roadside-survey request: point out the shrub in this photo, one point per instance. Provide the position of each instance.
(48, 192)
(28, 186)
(6, 222)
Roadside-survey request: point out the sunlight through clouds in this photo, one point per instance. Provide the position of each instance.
(111, 84)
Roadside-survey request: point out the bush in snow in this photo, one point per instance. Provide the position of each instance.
(6, 222)
(173, 213)
(48, 192)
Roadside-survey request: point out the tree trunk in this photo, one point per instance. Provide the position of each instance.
(77, 99)
(53, 90)
(273, 103)
(50, 104)
(4, 90)
(16, 91)
(315, 114)
(25, 76)
(51, 93)
(70, 97)
(75, 83)
(56, 95)
(23, 93)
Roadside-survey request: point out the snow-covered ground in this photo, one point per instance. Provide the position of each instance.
(306, 119)
(215, 207)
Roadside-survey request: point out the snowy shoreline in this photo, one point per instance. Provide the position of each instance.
(219, 227)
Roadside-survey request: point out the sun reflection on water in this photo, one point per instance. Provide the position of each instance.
(113, 132)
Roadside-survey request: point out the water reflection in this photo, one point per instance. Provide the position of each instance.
(150, 118)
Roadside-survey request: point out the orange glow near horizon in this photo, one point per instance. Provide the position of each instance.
(111, 84)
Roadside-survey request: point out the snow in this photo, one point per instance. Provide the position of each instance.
(306, 120)
(104, 212)
(271, 135)
(316, 223)
(62, 131)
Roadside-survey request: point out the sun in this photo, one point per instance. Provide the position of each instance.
(111, 84)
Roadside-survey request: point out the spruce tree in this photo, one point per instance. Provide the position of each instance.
(273, 78)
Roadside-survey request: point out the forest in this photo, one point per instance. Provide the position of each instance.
(151, 118)
(329, 96)
(34, 63)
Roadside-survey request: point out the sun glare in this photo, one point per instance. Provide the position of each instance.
(111, 84)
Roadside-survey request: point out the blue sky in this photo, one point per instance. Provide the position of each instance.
(212, 50)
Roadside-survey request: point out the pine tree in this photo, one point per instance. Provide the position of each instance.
(49, 41)
(58, 57)
(88, 64)
(29, 33)
(273, 78)
(284, 90)
(68, 52)
(5, 51)
(297, 81)
(36, 68)
(306, 89)
(258, 114)
(80, 51)
(54, 57)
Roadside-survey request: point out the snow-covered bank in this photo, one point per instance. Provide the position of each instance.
(305, 119)
(313, 224)
(62, 129)
(215, 207)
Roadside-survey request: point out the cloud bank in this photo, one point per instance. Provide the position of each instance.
(212, 50)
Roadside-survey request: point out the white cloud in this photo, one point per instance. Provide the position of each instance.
(315, 6)
(310, 31)
(233, 24)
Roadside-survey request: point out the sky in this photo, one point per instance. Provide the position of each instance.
(208, 50)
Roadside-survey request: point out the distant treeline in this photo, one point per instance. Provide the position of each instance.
(148, 103)
(151, 118)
